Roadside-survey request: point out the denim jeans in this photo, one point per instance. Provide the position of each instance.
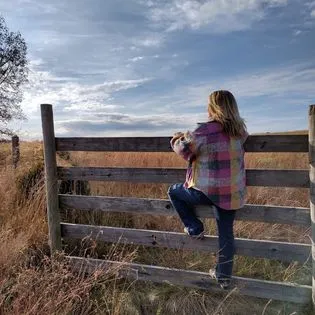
(225, 256)
(184, 200)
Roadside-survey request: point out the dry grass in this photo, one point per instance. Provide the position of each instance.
(31, 284)
(42, 286)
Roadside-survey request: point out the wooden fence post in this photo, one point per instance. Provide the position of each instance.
(311, 138)
(51, 178)
(15, 151)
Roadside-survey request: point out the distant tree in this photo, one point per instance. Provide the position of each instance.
(13, 73)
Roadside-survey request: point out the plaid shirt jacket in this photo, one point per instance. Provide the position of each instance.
(216, 164)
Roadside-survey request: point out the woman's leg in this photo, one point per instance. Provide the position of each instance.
(225, 221)
(183, 200)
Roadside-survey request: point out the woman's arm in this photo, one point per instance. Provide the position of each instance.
(184, 145)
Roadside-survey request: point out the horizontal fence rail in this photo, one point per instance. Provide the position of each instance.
(261, 213)
(283, 251)
(255, 143)
(254, 177)
(199, 280)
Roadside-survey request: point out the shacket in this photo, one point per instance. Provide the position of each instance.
(216, 164)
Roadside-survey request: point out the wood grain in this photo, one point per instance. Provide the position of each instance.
(261, 213)
(254, 177)
(311, 123)
(199, 280)
(254, 143)
(283, 251)
(51, 177)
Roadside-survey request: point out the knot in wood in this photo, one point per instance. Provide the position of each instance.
(263, 144)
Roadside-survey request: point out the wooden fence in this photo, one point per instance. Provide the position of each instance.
(283, 251)
(15, 150)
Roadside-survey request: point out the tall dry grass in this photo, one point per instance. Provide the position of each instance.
(31, 284)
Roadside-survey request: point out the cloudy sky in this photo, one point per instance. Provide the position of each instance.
(141, 67)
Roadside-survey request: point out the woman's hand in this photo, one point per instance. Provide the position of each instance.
(178, 134)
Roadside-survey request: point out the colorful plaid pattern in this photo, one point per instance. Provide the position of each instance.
(216, 164)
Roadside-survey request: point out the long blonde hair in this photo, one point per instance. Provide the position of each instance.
(222, 107)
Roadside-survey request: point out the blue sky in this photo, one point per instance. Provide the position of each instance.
(141, 67)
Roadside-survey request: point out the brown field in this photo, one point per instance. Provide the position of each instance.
(30, 284)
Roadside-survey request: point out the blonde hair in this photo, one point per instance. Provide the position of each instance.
(222, 107)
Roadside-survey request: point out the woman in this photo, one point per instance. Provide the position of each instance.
(215, 176)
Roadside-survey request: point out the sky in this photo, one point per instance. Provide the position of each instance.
(146, 68)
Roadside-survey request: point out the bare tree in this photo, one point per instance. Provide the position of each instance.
(13, 73)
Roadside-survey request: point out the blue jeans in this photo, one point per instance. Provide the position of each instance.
(184, 200)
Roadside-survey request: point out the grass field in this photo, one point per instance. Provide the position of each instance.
(30, 284)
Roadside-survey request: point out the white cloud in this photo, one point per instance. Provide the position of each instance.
(124, 124)
(139, 58)
(310, 4)
(72, 93)
(154, 40)
(36, 62)
(90, 110)
(135, 59)
(276, 82)
(297, 32)
(292, 85)
(218, 15)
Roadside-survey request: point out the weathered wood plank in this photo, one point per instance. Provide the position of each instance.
(117, 144)
(200, 280)
(255, 143)
(51, 181)
(261, 213)
(311, 123)
(277, 178)
(283, 251)
(254, 177)
(277, 143)
(15, 150)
